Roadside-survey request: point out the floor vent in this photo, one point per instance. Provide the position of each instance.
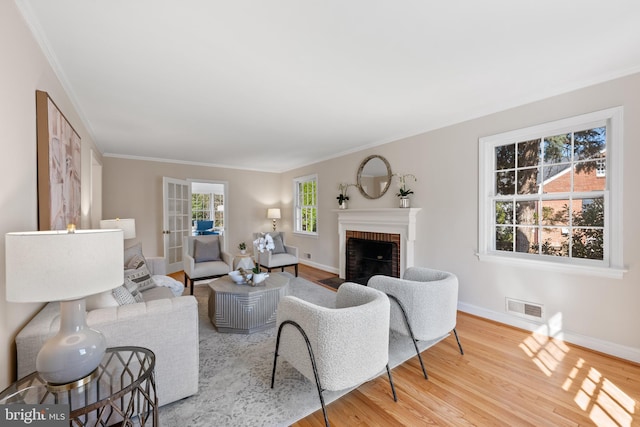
(524, 309)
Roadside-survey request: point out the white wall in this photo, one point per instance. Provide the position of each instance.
(133, 189)
(595, 312)
(25, 70)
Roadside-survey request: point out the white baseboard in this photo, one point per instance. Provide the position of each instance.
(320, 266)
(613, 349)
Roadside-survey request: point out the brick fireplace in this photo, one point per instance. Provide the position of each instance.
(369, 253)
(393, 225)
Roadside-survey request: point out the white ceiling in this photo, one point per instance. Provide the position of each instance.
(274, 85)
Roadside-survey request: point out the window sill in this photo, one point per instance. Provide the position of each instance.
(301, 234)
(586, 270)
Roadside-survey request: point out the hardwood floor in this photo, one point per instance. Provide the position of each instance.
(507, 377)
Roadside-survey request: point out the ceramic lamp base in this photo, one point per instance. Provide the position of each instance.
(75, 351)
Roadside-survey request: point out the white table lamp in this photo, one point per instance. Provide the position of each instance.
(44, 266)
(127, 225)
(274, 214)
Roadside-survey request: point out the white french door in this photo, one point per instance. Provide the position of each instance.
(176, 200)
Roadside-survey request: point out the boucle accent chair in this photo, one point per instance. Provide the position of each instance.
(338, 347)
(203, 258)
(424, 304)
(280, 257)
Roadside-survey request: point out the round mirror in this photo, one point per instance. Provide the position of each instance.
(374, 177)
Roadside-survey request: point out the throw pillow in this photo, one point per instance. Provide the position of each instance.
(123, 296)
(206, 250)
(134, 289)
(138, 272)
(132, 251)
(278, 244)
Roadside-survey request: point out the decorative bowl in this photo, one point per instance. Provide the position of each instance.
(237, 277)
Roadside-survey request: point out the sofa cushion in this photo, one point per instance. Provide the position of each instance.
(101, 300)
(159, 292)
(137, 271)
(206, 250)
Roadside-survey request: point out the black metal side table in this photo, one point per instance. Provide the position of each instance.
(123, 390)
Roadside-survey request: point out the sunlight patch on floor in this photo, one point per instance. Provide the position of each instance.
(604, 402)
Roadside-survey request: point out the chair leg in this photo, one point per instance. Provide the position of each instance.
(413, 338)
(313, 364)
(192, 284)
(393, 389)
(458, 340)
(296, 268)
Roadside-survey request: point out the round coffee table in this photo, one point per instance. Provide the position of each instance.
(244, 309)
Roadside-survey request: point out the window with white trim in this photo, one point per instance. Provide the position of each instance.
(305, 196)
(545, 196)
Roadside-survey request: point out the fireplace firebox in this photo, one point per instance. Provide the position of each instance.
(366, 258)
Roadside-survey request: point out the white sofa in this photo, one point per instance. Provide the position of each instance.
(165, 324)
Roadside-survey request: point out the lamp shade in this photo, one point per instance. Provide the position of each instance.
(273, 213)
(43, 266)
(127, 225)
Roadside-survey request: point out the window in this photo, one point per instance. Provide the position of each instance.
(305, 192)
(208, 207)
(551, 193)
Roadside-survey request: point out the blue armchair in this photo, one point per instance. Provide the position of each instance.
(204, 228)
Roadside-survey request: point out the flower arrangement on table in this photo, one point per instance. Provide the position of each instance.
(262, 243)
(343, 197)
(404, 191)
(243, 247)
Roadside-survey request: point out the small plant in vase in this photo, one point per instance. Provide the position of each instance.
(343, 197)
(243, 248)
(403, 190)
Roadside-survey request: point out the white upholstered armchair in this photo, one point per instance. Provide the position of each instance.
(203, 258)
(280, 257)
(338, 347)
(424, 304)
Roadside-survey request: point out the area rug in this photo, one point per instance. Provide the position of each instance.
(235, 374)
(333, 282)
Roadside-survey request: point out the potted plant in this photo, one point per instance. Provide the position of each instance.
(343, 197)
(403, 190)
(243, 248)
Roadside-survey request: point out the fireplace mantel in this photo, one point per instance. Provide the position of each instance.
(385, 220)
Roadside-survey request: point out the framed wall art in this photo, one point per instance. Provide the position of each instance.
(59, 160)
